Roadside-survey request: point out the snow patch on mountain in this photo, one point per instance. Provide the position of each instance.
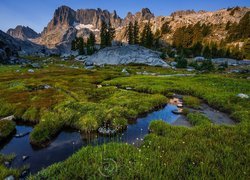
(83, 26)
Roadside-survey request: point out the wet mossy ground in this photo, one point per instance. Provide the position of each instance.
(73, 99)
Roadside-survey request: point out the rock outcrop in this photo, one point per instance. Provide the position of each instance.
(126, 55)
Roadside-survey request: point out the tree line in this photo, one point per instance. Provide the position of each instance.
(107, 34)
(79, 45)
(188, 40)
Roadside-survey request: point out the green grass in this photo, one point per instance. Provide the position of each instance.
(5, 172)
(191, 101)
(204, 151)
(6, 128)
(72, 101)
(170, 152)
(198, 119)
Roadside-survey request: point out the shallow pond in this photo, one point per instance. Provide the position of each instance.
(67, 142)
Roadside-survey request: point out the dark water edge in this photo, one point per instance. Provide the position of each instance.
(69, 141)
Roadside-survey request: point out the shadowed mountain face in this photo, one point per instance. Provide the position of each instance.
(22, 32)
(10, 46)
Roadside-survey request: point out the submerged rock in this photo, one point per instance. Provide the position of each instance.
(25, 158)
(106, 131)
(7, 163)
(22, 135)
(24, 174)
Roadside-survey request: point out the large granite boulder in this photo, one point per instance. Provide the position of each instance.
(126, 55)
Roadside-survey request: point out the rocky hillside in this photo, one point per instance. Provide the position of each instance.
(23, 33)
(10, 46)
(67, 23)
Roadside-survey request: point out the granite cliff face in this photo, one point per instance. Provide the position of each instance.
(67, 23)
(82, 21)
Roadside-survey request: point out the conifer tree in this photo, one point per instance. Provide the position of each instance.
(207, 52)
(130, 33)
(110, 34)
(103, 34)
(80, 46)
(157, 37)
(147, 37)
(107, 34)
(91, 44)
(136, 33)
(73, 45)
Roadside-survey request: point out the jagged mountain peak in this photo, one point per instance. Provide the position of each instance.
(68, 23)
(23, 32)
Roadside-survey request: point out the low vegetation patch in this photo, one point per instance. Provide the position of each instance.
(6, 128)
(198, 119)
(192, 102)
(5, 172)
(74, 100)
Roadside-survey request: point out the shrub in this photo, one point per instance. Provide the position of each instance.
(207, 65)
(181, 62)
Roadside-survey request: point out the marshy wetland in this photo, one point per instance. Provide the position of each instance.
(64, 105)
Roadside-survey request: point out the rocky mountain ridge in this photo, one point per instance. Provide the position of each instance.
(67, 23)
(23, 33)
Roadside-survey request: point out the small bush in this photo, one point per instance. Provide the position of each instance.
(181, 62)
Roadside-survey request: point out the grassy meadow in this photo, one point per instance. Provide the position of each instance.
(66, 95)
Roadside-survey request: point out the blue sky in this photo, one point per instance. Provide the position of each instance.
(37, 13)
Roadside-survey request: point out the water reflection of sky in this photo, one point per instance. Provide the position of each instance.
(66, 143)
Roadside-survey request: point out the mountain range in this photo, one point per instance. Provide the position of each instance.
(67, 23)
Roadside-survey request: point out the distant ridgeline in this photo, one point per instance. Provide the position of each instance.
(222, 33)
